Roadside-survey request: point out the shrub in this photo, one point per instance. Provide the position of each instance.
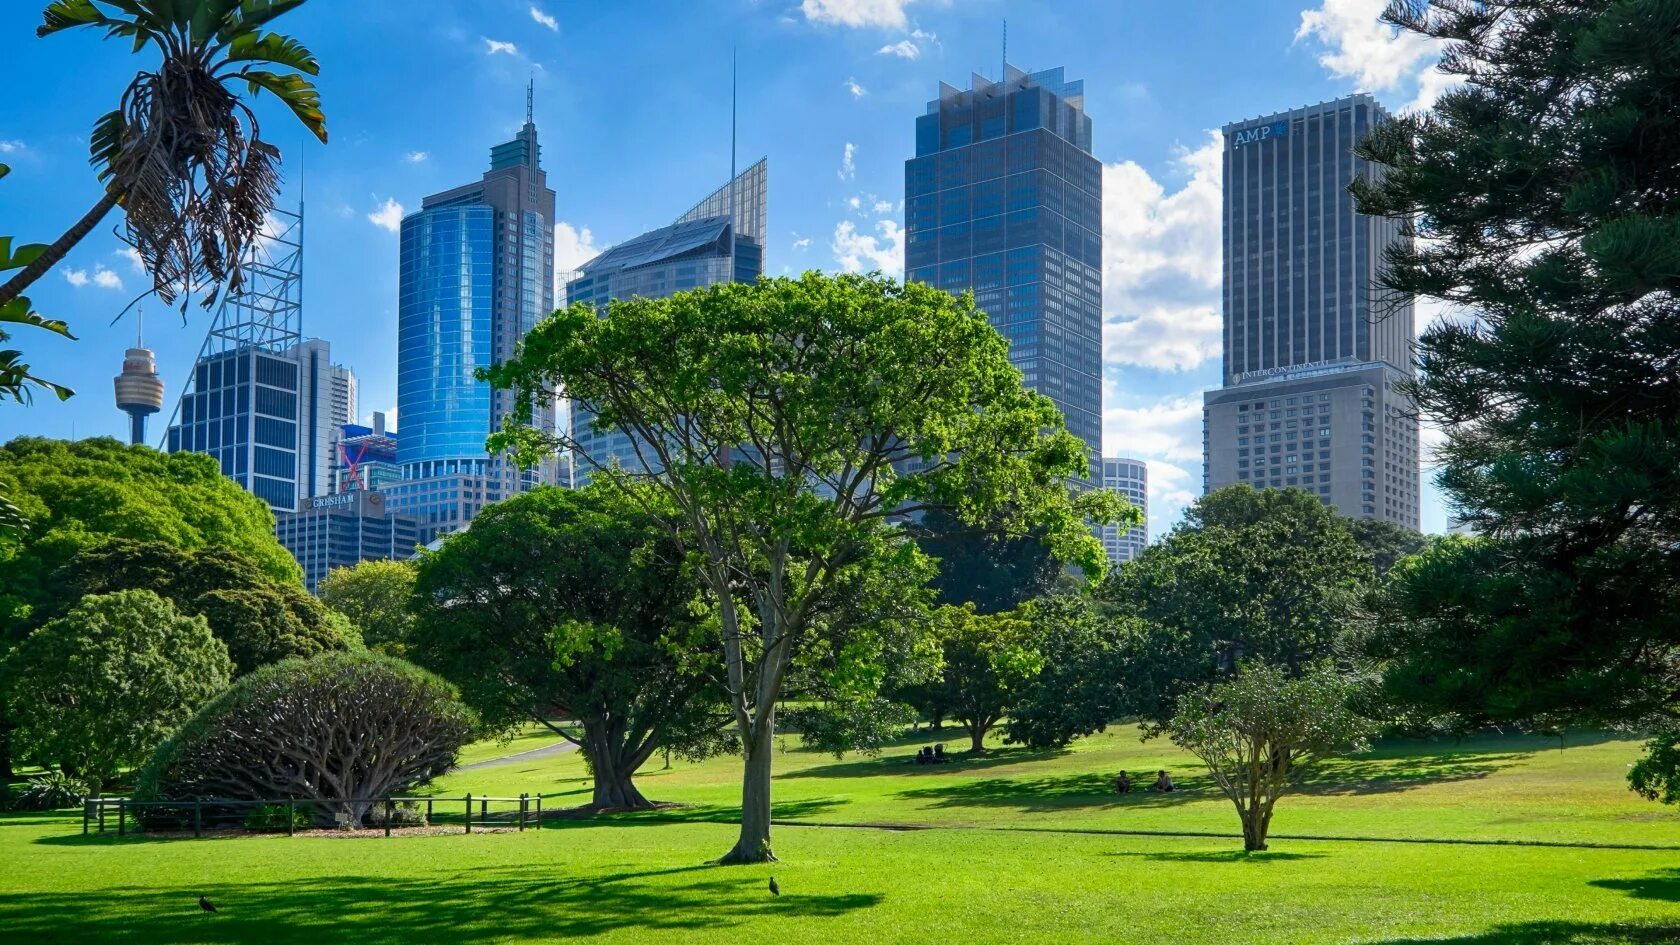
(403, 814)
(97, 689)
(51, 791)
(274, 817)
(340, 728)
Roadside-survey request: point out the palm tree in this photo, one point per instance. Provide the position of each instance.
(182, 154)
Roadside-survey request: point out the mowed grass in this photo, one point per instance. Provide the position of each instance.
(1542, 844)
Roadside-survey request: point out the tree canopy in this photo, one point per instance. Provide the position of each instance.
(1543, 190)
(1248, 575)
(977, 566)
(576, 604)
(94, 691)
(376, 596)
(785, 423)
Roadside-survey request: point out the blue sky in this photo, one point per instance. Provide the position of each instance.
(633, 108)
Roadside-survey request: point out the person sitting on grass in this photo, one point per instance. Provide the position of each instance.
(939, 753)
(1123, 783)
(1163, 783)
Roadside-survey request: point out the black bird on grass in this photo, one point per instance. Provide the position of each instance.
(206, 904)
(775, 890)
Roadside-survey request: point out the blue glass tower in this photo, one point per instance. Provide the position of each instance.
(721, 239)
(1004, 198)
(477, 273)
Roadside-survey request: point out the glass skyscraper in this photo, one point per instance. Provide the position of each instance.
(1004, 198)
(477, 273)
(1315, 351)
(721, 239)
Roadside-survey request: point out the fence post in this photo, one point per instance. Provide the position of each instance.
(484, 808)
(198, 817)
(291, 816)
(469, 813)
(539, 811)
(86, 807)
(524, 808)
(122, 817)
(101, 803)
(388, 817)
(428, 812)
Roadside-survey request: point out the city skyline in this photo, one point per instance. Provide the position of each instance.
(842, 152)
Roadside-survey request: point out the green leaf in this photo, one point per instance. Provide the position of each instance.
(16, 312)
(69, 14)
(254, 13)
(298, 93)
(25, 254)
(105, 144)
(275, 48)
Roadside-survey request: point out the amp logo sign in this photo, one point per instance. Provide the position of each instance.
(1276, 129)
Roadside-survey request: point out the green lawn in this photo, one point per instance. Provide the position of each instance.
(1023, 847)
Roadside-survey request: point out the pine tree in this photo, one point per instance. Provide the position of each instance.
(1546, 194)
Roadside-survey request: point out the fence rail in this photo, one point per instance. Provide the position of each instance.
(291, 813)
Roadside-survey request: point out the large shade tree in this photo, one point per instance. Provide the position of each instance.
(576, 605)
(1248, 575)
(1546, 190)
(786, 423)
(182, 154)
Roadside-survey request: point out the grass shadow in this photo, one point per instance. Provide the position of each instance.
(1220, 856)
(887, 765)
(483, 906)
(1664, 886)
(1060, 792)
(1556, 933)
(1380, 775)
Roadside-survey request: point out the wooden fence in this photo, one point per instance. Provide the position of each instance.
(200, 813)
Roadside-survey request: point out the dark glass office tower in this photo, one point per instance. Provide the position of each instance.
(1315, 351)
(1004, 198)
(477, 273)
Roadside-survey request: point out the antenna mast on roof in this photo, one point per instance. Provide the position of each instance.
(732, 222)
(1004, 75)
(530, 98)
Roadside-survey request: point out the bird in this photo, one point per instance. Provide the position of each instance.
(775, 890)
(206, 904)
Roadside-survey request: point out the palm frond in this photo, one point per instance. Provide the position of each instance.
(298, 93)
(275, 48)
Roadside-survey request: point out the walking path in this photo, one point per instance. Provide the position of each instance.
(558, 748)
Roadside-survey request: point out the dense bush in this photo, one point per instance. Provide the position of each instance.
(275, 817)
(95, 690)
(51, 791)
(341, 729)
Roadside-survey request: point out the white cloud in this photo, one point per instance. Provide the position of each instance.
(494, 46)
(573, 246)
(543, 18)
(848, 167)
(1161, 263)
(883, 13)
(1171, 488)
(1170, 428)
(101, 277)
(801, 243)
(903, 49)
(416, 157)
(11, 147)
(882, 207)
(860, 252)
(388, 216)
(854, 202)
(134, 261)
(857, 91)
(1355, 44)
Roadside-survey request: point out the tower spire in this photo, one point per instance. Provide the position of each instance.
(530, 99)
(733, 223)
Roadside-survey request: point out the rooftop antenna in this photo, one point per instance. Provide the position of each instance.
(733, 224)
(1004, 75)
(530, 98)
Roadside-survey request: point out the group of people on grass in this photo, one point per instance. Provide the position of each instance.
(1163, 783)
(932, 756)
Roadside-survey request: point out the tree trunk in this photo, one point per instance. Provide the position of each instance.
(977, 737)
(754, 843)
(6, 773)
(938, 719)
(1254, 830)
(614, 771)
(58, 250)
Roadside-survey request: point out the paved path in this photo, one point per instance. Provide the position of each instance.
(559, 748)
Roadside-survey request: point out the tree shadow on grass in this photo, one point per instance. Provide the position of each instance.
(1378, 775)
(1557, 933)
(906, 764)
(1062, 792)
(1664, 885)
(462, 907)
(1220, 856)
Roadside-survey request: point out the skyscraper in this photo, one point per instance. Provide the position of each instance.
(341, 530)
(1129, 478)
(477, 273)
(262, 399)
(1004, 198)
(721, 239)
(1314, 348)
